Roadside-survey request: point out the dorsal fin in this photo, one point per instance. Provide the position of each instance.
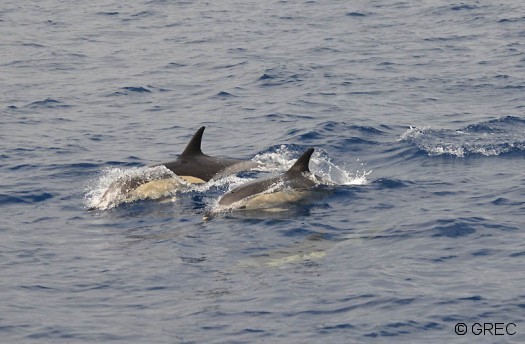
(301, 165)
(194, 146)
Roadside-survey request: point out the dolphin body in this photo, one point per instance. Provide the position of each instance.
(196, 167)
(192, 166)
(295, 185)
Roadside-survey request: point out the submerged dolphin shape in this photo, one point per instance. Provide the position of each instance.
(195, 166)
(292, 186)
(192, 166)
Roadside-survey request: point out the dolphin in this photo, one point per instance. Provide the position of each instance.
(295, 185)
(314, 247)
(192, 166)
(196, 167)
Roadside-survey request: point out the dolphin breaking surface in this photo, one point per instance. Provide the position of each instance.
(194, 171)
(292, 186)
(162, 180)
(195, 166)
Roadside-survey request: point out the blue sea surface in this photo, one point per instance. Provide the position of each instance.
(416, 111)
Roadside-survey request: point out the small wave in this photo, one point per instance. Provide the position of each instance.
(33, 45)
(394, 329)
(108, 13)
(463, 7)
(453, 229)
(392, 183)
(175, 65)
(281, 76)
(128, 90)
(511, 20)
(24, 197)
(489, 138)
(356, 14)
(46, 103)
(340, 135)
(224, 94)
(139, 89)
(282, 117)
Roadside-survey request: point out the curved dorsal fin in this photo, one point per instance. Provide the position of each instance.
(194, 146)
(301, 165)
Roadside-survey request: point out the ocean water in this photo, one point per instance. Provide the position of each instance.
(417, 114)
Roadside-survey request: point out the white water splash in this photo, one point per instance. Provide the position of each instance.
(488, 138)
(320, 164)
(439, 145)
(279, 161)
(109, 189)
(413, 132)
(106, 192)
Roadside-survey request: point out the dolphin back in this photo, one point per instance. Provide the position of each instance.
(194, 163)
(301, 165)
(194, 146)
(295, 179)
(247, 190)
